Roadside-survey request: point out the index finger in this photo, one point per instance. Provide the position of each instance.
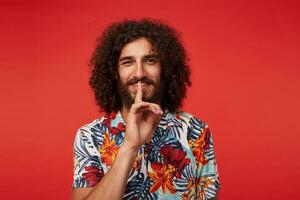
(139, 93)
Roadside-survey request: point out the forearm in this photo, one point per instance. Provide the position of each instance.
(113, 184)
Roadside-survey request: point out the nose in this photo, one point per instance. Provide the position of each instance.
(140, 71)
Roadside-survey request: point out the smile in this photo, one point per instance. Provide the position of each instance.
(143, 84)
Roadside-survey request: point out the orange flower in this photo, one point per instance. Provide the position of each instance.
(185, 196)
(162, 177)
(201, 184)
(108, 150)
(204, 183)
(191, 187)
(191, 184)
(200, 145)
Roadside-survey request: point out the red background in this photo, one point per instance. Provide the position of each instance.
(245, 73)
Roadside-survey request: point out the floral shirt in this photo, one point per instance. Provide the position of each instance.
(178, 163)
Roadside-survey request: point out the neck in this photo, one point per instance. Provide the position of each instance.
(124, 112)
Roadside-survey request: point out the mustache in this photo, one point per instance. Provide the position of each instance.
(142, 80)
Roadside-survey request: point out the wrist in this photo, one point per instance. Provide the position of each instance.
(129, 148)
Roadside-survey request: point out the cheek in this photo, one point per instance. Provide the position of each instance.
(124, 74)
(155, 73)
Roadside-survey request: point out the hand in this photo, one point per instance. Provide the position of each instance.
(142, 120)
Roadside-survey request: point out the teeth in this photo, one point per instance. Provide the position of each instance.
(135, 84)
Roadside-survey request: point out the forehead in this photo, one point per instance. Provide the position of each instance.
(136, 48)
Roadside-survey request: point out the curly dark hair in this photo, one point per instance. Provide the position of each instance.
(166, 40)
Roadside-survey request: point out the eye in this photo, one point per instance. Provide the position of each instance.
(126, 63)
(151, 60)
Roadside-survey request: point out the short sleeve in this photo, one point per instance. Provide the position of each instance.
(207, 175)
(87, 166)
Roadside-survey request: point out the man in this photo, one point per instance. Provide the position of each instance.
(144, 147)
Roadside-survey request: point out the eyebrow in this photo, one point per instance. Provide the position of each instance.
(125, 58)
(151, 56)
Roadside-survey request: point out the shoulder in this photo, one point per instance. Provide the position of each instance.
(92, 124)
(106, 123)
(185, 118)
(92, 127)
(196, 129)
(109, 126)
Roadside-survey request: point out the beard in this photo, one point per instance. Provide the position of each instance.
(128, 98)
